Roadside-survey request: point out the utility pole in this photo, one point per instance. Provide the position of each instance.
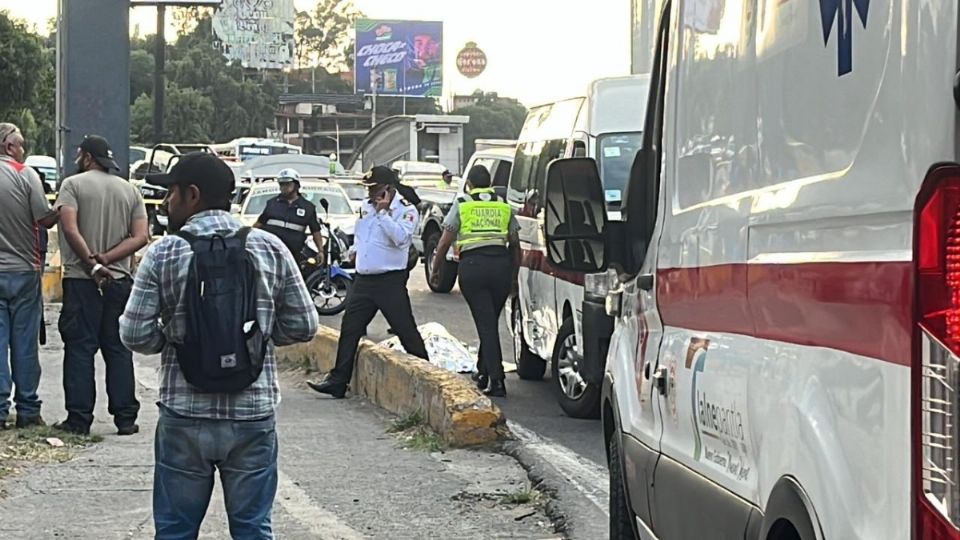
(374, 76)
(159, 85)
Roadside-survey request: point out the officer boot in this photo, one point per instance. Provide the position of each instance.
(482, 380)
(496, 389)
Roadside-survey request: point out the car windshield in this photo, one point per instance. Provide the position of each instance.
(356, 192)
(338, 203)
(616, 152)
(440, 196)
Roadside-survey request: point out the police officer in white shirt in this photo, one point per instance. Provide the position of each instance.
(383, 235)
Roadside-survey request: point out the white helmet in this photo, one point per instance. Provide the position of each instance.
(288, 175)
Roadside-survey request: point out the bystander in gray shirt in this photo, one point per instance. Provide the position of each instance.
(22, 204)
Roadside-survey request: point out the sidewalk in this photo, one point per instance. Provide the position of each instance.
(341, 477)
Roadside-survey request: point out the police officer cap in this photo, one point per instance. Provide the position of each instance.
(288, 175)
(381, 175)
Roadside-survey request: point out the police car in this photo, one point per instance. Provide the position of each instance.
(340, 215)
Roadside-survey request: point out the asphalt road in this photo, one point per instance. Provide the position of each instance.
(529, 403)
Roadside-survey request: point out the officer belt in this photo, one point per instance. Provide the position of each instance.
(285, 225)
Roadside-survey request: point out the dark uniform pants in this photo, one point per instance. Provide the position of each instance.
(485, 279)
(386, 293)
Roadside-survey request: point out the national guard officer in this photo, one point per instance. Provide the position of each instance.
(290, 216)
(383, 236)
(487, 239)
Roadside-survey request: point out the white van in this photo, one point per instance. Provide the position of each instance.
(785, 359)
(545, 318)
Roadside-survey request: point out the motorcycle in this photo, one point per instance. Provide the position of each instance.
(329, 282)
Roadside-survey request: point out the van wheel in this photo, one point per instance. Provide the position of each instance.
(577, 397)
(448, 271)
(621, 516)
(530, 367)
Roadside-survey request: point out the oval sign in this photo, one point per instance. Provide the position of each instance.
(471, 61)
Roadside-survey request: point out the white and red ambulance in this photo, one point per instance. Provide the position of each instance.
(545, 316)
(786, 352)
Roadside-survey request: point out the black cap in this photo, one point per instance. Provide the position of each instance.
(209, 173)
(381, 176)
(446, 173)
(100, 150)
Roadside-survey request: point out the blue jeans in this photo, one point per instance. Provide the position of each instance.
(19, 342)
(189, 450)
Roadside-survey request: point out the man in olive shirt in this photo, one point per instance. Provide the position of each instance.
(103, 224)
(24, 211)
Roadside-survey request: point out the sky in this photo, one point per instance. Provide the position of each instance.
(537, 50)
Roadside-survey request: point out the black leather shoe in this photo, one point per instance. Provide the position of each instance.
(327, 386)
(70, 428)
(482, 380)
(496, 389)
(29, 421)
(131, 429)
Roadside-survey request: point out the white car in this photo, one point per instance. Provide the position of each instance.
(340, 214)
(48, 166)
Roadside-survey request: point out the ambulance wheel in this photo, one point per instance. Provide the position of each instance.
(577, 397)
(621, 516)
(448, 271)
(530, 367)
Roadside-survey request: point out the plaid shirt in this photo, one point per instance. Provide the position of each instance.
(154, 320)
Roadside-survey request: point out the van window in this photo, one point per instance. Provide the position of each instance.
(579, 149)
(502, 176)
(615, 154)
(486, 163)
(529, 175)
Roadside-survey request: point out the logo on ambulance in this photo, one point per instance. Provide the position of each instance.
(830, 12)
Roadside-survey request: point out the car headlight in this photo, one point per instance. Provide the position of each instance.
(599, 285)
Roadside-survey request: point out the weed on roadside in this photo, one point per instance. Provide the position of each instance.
(523, 496)
(30, 445)
(415, 434)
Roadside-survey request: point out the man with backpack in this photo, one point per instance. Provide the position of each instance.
(215, 298)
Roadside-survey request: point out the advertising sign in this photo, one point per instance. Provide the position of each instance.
(471, 61)
(399, 58)
(257, 33)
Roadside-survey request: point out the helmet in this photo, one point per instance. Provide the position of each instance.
(288, 175)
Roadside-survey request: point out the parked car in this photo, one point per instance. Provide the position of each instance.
(437, 202)
(48, 166)
(340, 215)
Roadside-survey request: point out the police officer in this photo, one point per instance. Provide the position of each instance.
(383, 235)
(487, 238)
(291, 216)
(446, 181)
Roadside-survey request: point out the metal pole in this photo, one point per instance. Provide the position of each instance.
(314, 78)
(376, 83)
(159, 87)
(337, 123)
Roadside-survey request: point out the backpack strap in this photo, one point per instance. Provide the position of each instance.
(242, 234)
(189, 237)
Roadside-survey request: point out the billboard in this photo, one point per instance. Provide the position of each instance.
(399, 58)
(257, 33)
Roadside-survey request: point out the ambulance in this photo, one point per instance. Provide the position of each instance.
(784, 357)
(545, 316)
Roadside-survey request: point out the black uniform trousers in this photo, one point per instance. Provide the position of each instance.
(386, 293)
(485, 278)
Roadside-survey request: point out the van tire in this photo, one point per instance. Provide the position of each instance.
(448, 271)
(530, 367)
(586, 403)
(621, 516)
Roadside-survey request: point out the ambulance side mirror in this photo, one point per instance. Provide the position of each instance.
(575, 222)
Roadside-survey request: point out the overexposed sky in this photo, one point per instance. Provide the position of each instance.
(537, 50)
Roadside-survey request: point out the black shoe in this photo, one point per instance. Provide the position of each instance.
(327, 386)
(4, 425)
(130, 429)
(482, 380)
(29, 421)
(496, 389)
(70, 428)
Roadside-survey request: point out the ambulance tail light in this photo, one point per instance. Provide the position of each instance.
(936, 360)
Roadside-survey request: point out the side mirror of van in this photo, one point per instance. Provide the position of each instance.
(501, 191)
(575, 222)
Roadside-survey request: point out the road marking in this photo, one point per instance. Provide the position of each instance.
(301, 507)
(584, 475)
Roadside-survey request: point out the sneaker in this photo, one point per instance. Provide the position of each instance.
(29, 421)
(131, 429)
(70, 428)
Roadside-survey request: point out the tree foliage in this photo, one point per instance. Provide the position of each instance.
(491, 118)
(324, 36)
(28, 83)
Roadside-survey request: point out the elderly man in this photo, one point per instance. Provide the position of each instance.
(24, 210)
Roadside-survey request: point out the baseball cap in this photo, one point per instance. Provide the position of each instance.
(100, 150)
(209, 173)
(381, 175)
(288, 175)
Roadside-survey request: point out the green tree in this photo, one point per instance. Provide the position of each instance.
(325, 35)
(27, 83)
(188, 117)
(491, 118)
(141, 74)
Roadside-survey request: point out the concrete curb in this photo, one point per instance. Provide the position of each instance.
(401, 383)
